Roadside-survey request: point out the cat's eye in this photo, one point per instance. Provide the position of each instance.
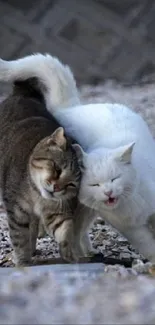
(113, 179)
(71, 185)
(57, 169)
(95, 184)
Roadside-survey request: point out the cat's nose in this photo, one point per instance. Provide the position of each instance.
(108, 193)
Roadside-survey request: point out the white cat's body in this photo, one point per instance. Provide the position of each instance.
(100, 127)
(119, 159)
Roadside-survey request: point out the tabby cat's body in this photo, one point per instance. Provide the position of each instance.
(39, 174)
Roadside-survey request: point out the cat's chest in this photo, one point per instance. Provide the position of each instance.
(116, 219)
(43, 207)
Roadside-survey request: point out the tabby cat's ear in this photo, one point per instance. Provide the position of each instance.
(58, 138)
(124, 153)
(80, 155)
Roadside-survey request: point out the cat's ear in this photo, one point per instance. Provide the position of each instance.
(38, 163)
(58, 138)
(124, 153)
(80, 155)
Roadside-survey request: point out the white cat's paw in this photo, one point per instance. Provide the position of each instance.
(143, 268)
(91, 252)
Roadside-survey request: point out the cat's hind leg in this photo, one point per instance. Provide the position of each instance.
(143, 239)
(34, 228)
(19, 231)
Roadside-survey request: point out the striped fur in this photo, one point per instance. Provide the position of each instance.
(39, 173)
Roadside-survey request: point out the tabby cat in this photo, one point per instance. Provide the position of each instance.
(39, 173)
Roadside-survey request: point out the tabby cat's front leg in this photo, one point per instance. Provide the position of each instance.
(64, 236)
(62, 229)
(41, 230)
(84, 218)
(20, 238)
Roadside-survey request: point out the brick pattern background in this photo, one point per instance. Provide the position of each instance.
(98, 39)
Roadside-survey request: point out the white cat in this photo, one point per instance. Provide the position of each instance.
(117, 159)
(118, 169)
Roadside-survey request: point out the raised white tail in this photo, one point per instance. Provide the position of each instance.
(56, 80)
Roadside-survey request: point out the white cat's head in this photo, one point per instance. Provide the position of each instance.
(108, 177)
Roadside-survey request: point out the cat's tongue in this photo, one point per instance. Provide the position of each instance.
(111, 201)
(57, 188)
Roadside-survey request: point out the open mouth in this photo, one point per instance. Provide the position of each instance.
(55, 194)
(50, 193)
(57, 188)
(111, 201)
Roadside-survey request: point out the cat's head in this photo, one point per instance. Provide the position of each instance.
(108, 178)
(54, 167)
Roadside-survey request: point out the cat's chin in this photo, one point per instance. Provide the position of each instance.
(47, 194)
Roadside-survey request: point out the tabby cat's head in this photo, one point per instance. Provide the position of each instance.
(54, 168)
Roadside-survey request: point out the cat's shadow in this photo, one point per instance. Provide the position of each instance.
(96, 258)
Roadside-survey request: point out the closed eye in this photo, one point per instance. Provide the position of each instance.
(71, 185)
(94, 185)
(113, 179)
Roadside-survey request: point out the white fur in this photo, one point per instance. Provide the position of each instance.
(102, 130)
(56, 78)
(107, 133)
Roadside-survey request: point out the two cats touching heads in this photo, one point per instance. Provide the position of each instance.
(103, 164)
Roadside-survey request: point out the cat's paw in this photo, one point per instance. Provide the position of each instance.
(143, 268)
(67, 252)
(36, 252)
(91, 252)
(42, 232)
(151, 270)
(20, 261)
(23, 263)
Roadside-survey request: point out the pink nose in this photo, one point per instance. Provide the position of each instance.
(108, 193)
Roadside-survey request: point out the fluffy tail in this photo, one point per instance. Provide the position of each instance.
(56, 81)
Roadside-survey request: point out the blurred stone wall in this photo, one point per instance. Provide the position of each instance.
(98, 39)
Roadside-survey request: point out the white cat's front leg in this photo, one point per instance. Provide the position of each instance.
(142, 239)
(86, 245)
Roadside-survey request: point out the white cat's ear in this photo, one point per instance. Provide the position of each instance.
(80, 154)
(124, 153)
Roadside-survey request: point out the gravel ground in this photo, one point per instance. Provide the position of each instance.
(122, 296)
(105, 239)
